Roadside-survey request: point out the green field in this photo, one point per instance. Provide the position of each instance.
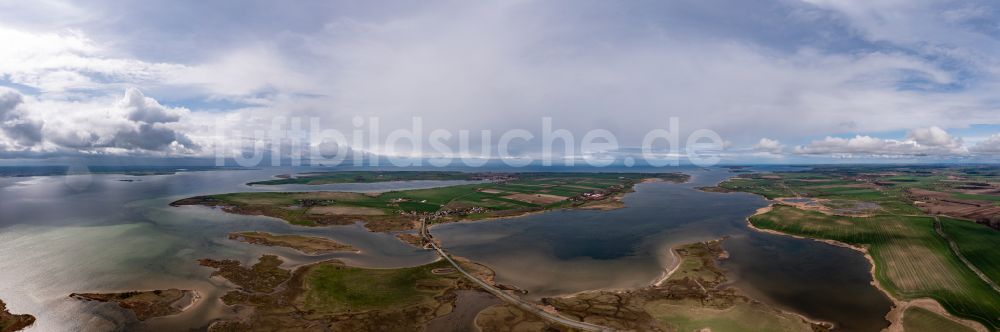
(977, 243)
(889, 186)
(395, 210)
(336, 287)
(825, 186)
(911, 260)
(742, 316)
(978, 197)
(917, 319)
(365, 177)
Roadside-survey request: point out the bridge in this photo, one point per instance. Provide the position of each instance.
(510, 298)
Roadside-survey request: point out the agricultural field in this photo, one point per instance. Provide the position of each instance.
(911, 260)
(965, 192)
(513, 194)
(830, 188)
(977, 243)
(917, 319)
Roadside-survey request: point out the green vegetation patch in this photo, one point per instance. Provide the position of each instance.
(916, 319)
(506, 195)
(365, 177)
(977, 243)
(977, 197)
(336, 287)
(746, 316)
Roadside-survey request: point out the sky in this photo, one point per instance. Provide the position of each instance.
(781, 81)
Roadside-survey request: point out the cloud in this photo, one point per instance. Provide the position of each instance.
(13, 122)
(139, 108)
(768, 145)
(921, 141)
(135, 124)
(935, 137)
(57, 62)
(991, 145)
(832, 68)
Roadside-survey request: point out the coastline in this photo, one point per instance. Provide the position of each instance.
(146, 304)
(895, 314)
(195, 300)
(612, 202)
(671, 269)
(658, 286)
(608, 204)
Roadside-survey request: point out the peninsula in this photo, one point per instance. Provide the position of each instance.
(504, 195)
(12, 322)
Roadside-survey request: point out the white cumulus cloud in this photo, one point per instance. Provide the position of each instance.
(133, 124)
(991, 145)
(58, 61)
(921, 141)
(768, 145)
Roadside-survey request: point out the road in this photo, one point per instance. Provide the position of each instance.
(524, 305)
(954, 249)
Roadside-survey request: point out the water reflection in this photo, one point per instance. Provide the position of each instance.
(64, 234)
(566, 252)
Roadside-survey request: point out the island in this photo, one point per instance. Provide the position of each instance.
(310, 245)
(333, 296)
(693, 296)
(319, 178)
(507, 195)
(928, 231)
(12, 322)
(146, 304)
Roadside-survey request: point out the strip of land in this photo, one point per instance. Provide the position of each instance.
(509, 195)
(320, 178)
(146, 304)
(310, 245)
(12, 322)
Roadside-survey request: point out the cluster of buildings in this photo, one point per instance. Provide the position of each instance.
(444, 213)
(493, 177)
(600, 194)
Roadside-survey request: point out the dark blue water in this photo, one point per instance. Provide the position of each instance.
(566, 252)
